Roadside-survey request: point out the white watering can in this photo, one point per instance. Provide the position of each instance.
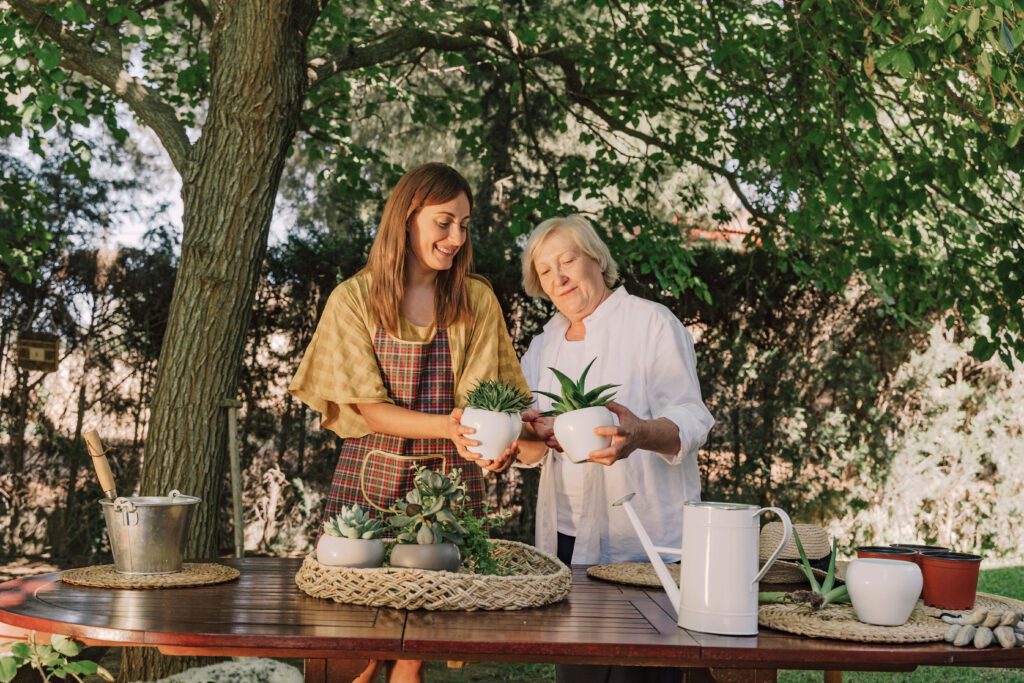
(719, 575)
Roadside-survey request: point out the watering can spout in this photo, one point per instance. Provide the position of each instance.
(653, 551)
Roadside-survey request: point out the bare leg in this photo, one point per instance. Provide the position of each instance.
(408, 671)
(370, 673)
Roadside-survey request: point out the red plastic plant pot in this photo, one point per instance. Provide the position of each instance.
(884, 552)
(919, 549)
(950, 579)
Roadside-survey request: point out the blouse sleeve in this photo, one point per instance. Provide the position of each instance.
(339, 368)
(674, 389)
(489, 351)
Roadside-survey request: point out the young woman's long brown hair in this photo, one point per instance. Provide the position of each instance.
(424, 185)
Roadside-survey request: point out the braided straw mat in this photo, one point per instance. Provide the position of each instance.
(631, 573)
(840, 623)
(537, 579)
(983, 601)
(191, 574)
(642, 573)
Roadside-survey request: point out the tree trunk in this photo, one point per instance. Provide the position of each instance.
(258, 80)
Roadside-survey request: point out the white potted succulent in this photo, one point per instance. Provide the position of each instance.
(428, 530)
(577, 413)
(351, 539)
(492, 409)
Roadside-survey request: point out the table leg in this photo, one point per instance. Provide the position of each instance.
(314, 670)
(833, 677)
(331, 670)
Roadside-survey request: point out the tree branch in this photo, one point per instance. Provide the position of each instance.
(576, 92)
(107, 70)
(384, 48)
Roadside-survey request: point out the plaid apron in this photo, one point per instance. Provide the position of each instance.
(375, 470)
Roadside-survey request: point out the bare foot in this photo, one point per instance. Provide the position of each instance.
(408, 671)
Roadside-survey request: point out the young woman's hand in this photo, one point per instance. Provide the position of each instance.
(459, 435)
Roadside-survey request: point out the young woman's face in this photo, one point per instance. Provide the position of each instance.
(438, 231)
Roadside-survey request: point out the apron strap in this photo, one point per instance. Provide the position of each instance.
(391, 456)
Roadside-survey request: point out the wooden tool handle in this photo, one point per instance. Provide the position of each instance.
(99, 461)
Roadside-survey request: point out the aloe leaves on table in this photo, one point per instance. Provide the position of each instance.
(820, 594)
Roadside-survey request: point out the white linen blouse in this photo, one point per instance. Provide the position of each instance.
(643, 347)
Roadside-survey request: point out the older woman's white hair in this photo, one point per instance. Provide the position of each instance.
(582, 233)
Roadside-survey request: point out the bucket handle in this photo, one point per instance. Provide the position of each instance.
(127, 509)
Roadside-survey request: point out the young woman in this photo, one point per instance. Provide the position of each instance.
(398, 347)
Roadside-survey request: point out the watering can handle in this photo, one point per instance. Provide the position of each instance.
(787, 533)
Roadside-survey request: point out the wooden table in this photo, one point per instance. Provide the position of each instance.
(264, 614)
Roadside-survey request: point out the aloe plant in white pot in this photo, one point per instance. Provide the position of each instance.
(578, 412)
(351, 539)
(492, 409)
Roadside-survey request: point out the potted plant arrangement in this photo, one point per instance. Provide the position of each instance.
(427, 522)
(351, 539)
(578, 412)
(492, 409)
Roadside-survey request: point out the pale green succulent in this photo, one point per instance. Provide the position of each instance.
(353, 522)
(428, 513)
(574, 396)
(498, 396)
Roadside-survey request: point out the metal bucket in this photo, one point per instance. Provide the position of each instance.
(148, 533)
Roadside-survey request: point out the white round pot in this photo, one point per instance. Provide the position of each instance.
(433, 556)
(335, 551)
(575, 431)
(495, 431)
(883, 592)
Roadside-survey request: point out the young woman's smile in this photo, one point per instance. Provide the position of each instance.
(438, 231)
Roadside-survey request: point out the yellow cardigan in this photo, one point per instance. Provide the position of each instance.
(339, 368)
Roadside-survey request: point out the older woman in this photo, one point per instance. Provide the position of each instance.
(662, 421)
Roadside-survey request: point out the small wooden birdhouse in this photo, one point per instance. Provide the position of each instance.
(38, 351)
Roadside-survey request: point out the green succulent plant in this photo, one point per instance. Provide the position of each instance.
(430, 512)
(353, 522)
(499, 396)
(574, 395)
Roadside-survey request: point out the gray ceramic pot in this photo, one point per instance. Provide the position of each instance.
(334, 551)
(435, 556)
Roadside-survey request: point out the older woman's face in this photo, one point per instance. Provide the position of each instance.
(571, 279)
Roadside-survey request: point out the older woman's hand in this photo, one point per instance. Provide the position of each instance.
(543, 427)
(627, 436)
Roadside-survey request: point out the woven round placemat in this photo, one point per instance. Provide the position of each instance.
(191, 574)
(537, 579)
(631, 573)
(840, 623)
(981, 600)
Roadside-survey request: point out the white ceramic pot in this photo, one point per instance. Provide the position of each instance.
(495, 431)
(575, 431)
(883, 592)
(335, 551)
(433, 556)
